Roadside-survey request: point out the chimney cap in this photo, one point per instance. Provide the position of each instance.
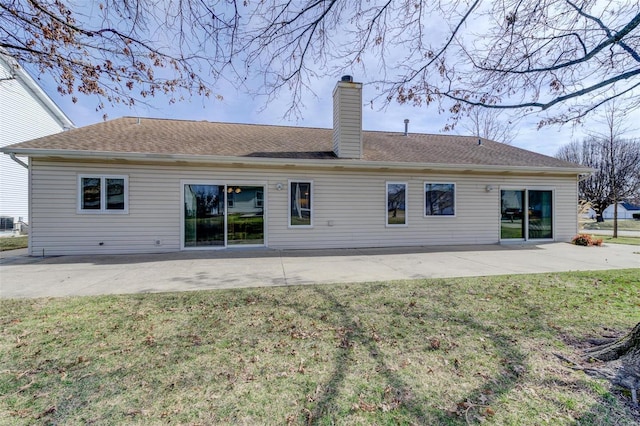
(347, 78)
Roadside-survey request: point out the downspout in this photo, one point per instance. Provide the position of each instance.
(19, 161)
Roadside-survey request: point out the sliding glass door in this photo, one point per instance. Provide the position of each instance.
(245, 215)
(526, 214)
(221, 215)
(540, 214)
(203, 215)
(512, 219)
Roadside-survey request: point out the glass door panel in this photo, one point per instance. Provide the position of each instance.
(203, 215)
(245, 214)
(512, 220)
(540, 214)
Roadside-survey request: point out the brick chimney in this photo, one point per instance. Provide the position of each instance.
(347, 118)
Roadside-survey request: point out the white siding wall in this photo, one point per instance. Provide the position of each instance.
(348, 207)
(622, 212)
(22, 117)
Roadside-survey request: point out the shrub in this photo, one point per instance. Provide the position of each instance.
(636, 216)
(586, 240)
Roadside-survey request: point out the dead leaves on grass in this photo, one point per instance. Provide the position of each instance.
(392, 399)
(474, 412)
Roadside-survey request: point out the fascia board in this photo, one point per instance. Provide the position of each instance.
(285, 162)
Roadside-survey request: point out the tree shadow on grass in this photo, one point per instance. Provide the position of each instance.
(402, 397)
(343, 309)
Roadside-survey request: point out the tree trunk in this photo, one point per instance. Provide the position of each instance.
(621, 359)
(599, 213)
(615, 219)
(627, 345)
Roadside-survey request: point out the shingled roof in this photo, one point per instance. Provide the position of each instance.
(131, 135)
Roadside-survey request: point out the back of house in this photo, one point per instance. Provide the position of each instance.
(141, 185)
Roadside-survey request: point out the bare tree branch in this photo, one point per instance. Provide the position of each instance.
(567, 58)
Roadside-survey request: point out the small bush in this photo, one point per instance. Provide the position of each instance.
(586, 240)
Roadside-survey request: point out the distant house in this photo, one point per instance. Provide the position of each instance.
(138, 185)
(26, 112)
(625, 211)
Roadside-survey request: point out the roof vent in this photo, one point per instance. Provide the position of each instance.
(406, 126)
(479, 142)
(347, 79)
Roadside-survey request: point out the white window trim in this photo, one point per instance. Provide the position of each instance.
(424, 200)
(311, 200)
(406, 204)
(103, 195)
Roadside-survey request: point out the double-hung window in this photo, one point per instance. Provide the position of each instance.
(300, 204)
(439, 199)
(103, 194)
(396, 203)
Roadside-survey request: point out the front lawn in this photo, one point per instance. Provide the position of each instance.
(442, 351)
(633, 241)
(13, 243)
(623, 225)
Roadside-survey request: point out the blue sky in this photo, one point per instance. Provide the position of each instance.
(316, 111)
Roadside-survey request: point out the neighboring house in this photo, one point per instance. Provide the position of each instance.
(26, 112)
(625, 211)
(137, 185)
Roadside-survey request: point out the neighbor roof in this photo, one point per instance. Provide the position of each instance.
(629, 206)
(191, 139)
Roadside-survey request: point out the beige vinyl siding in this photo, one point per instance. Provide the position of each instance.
(349, 208)
(347, 120)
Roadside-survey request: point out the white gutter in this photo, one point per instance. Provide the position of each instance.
(19, 161)
(282, 162)
(585, 176)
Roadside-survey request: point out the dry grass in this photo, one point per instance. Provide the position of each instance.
(13, 243)
(623, 225)
(451, 351)
(632, 241)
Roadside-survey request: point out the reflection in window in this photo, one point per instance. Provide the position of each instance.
(540, 214)
(512, 214)
(300, 198)
(203, 215)
(526, 214)
(439, 199)
(115, 194)
(91, 194)
(103, 194)
(245, 216)
(396, 203)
